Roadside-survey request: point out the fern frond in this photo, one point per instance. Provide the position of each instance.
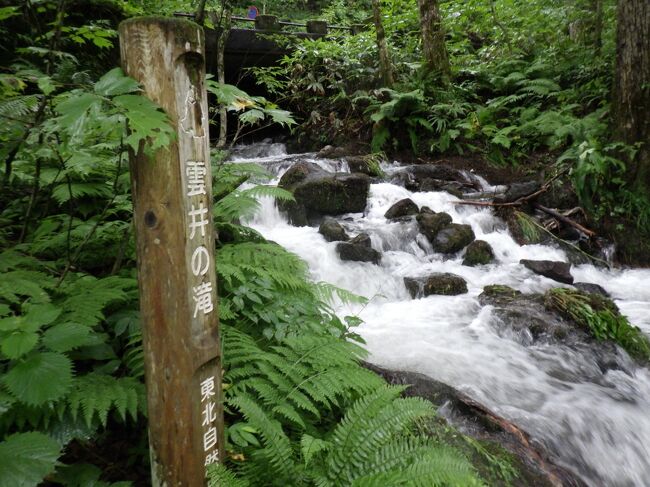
(19, 106)
(371, 423)
(96, 394)
(219, 476)
(277, 449)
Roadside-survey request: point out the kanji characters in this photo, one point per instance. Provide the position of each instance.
(197, 220)
(195, 172)
(207, 389)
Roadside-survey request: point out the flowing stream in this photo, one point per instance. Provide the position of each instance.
(596, 425)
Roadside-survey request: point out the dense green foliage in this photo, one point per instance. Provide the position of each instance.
(528, 78)
(300, 408)
(530, 81)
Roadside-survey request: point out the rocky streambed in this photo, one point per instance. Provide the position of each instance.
(462, 295)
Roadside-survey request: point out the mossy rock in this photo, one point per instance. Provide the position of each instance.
(441, 283)
(479, 252)
(599, 315)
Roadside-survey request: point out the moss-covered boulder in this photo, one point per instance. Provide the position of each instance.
(452, 238)
(599, 316)
(443, 283)
(332, 230)
(403, 208)
(431, 223)
(318, 192)
(498, 294)
(479, 252)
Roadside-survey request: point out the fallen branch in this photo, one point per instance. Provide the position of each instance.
(564, 219)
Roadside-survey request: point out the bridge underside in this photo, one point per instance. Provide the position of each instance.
(246, 48)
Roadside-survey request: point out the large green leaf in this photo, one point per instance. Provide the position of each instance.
(66, 336)
(17, 343)
(146, 121)
(116, 83)
(74, 110)
(25, 458)
(41, 377)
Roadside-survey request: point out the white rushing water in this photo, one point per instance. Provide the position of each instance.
(596, 425)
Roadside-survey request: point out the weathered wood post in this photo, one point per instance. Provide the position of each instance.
(172, 198)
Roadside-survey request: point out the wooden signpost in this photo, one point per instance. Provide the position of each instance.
(172, 198)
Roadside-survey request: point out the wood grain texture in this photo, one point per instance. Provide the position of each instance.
(181, 341)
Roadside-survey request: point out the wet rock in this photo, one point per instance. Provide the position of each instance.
(332, 230)
(531, 319)
(478, 252)
(452, 238)
(405, 207)
(558, 271)
(443, 283)
(318, 192)
(498, 294)
(412, 177)
(454, 187)
(431, 223)
(358, 249)
(591, 288)
(534, 464)
(362, 239)
(516, 191)
(331, 152)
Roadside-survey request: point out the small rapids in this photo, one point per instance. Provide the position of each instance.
(596, 424)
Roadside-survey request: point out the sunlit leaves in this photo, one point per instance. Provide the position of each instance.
(146, 122)
(116, 83)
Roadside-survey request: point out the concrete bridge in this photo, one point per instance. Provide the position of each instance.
(249, 44)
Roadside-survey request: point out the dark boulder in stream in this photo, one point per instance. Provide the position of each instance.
(558, 271)
(452, 238)
(432, 177)
(431, 223)
(358, 249)
(402, 208)
(535, 466)
(592, 288)
(332, 230)
(318, 192)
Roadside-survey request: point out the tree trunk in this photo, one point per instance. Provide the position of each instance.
(631, 101)
(433, 39)
(221, 74)
(597, 7)
(385, 67)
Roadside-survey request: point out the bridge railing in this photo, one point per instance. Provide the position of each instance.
(272, 23)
